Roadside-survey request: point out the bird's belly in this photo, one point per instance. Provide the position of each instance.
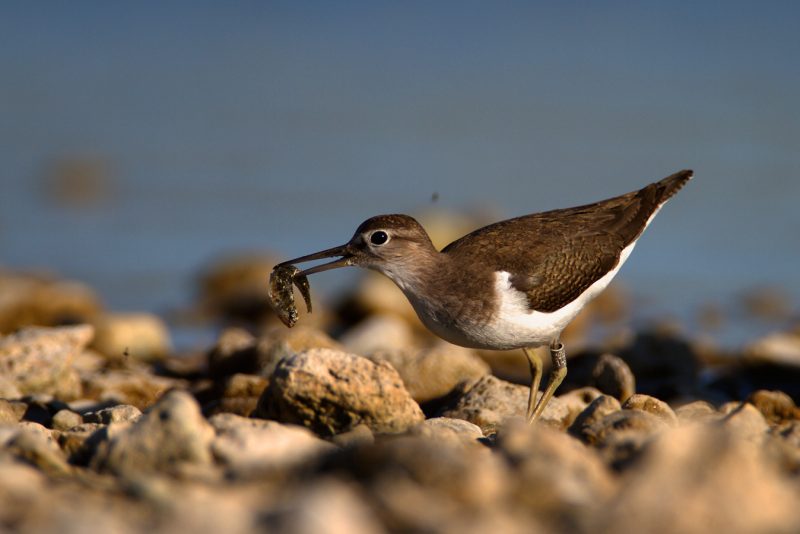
(513, 326)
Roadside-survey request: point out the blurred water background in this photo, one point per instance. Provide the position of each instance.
(140, 141)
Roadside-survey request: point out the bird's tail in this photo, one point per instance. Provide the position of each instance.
(670, 185)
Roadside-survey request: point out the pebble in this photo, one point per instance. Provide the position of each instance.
(34, 299)
(432, 373)
(239, 395)
(745, 421)
(378, 333)
(652, 405)
(447, 428)
(121, 413)
(171, 436)
(490, 402)
(555, 473)
(696, 411)
(251, 447)
(237, 351)
(35, 445)
(66, 419)
(594, 412)
(612, 376)
(776, 406)
(577, 400)
(11, 411)
(358, 436)
(698, 477)
(132, 336)
(137, 387)
(782, 348)
(38, 359)
(328, 507)
(331, 392)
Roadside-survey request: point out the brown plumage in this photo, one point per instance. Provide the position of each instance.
(556, 255)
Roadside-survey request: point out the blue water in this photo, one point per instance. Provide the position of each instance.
(280, 126)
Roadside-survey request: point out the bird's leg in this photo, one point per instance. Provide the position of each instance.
(536, 377)
(557, 374)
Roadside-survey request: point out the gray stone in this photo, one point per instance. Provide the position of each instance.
(612, 376)
(698, 478)
(595, 411)
(577, 400)
(490, 402)
(442, 428)
(696, 411)
(781, 348)
(250, 447)
(358, 436)
(121, 413)
(127, 386)
(35, 445)
(66, 419)
(776, 406)
(621, 436)
(132, 336)
(378, 333)
(327, 507)
(11, 412)
(239, 352)
(331, 392)
(652, 405)
(555, 473)
(172, 435)
(38, 360)
(745, 421)
(432, 373)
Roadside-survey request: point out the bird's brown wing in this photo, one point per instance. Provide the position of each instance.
(555, 256)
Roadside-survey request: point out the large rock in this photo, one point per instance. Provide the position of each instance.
(137, 336)
(426, 485)
(330, 392)
(31, 299)
(38, 360)
(326, 507)
(702, 478)
(490, 402)
(432, 373)
(172, 436)
(555, 474)
(35, 445)
(249, 447)
(378, 333)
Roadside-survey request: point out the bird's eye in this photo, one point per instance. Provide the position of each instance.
(379, 238)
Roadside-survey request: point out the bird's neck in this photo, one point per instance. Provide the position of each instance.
(420, 273)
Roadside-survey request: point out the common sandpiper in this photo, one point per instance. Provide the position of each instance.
(514, 284)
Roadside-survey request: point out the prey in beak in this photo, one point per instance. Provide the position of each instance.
(286, 274)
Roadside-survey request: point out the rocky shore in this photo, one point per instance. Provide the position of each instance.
(356, 421)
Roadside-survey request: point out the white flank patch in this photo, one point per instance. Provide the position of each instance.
(516, 326)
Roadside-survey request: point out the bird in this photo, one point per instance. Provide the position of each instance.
(514, 284)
